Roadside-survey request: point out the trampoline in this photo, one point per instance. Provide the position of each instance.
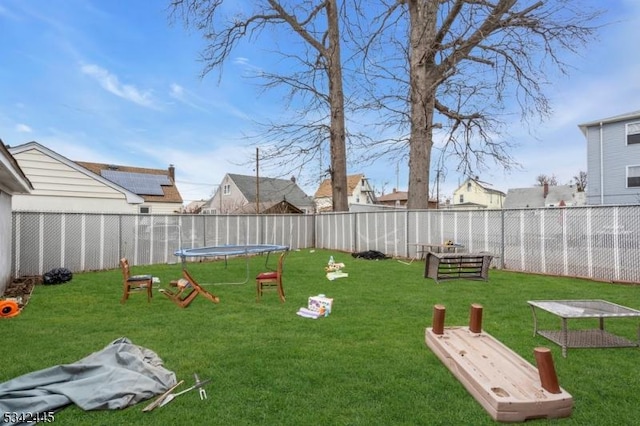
(228, 250)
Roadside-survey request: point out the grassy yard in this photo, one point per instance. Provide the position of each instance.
(367, 363)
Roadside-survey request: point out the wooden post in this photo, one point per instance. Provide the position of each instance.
(438, 319)
(475, 318)
(546, 370)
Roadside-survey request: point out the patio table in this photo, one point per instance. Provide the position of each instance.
(423, 248)
(581, 309)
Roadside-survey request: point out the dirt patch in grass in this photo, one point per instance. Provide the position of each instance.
(21, 289)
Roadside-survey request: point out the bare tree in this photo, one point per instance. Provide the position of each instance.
(445, 69)
(580, 180)
(318, 74)
(468, 60)
(541, 180)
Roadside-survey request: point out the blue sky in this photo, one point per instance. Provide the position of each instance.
(111, 81)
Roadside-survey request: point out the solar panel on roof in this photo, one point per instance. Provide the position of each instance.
(138, 183)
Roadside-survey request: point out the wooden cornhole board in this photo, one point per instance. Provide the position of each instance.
(504, 383)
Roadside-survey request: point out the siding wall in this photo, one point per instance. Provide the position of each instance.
(5, 240)
(478, 195)
(609, 185)
(58, 187)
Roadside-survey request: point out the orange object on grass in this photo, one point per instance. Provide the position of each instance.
(8, 309)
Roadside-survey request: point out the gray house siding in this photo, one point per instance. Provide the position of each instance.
(608, 157)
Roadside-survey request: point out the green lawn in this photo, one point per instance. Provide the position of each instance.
(367, 363)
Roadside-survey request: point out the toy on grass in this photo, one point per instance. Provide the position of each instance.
(317, 307)
(9, 308)
(505, 384)
(334, 267)
(334, 270)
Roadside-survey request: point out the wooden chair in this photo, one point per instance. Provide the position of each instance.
(185, 295)
(134, 283)
(271, 280)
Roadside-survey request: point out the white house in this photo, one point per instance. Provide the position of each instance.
(473, 194)
(12, 182)
(544, 196)
(358, 192)
(242, 194)
(62, 185)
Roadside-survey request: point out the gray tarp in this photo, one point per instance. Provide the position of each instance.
(120, 375)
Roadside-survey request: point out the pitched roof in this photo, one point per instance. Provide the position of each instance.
(324, 190)
(153, 185)
(194, 206)
(11, 175)
(534, 196)
(26, 147)
(271, 207)
(482, 185)
(271, 189)
(394, 196)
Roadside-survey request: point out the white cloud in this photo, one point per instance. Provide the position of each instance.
(23, 128)
(241, 61)
(177, 91)
(111, 83)
(182, 95)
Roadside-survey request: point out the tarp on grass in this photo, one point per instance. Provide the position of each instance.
(120, 375)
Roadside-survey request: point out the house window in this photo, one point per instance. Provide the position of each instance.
(144, 209)
(633, 133)
(461, 198)
(633, 176)
(226, 189)
(468, 186)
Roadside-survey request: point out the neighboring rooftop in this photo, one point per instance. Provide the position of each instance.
(622, 117)
(324, 190)
(271, 189)
(154, 185)
(555, 196)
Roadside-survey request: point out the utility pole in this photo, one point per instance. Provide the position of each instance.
(438, 188)
(257, 181)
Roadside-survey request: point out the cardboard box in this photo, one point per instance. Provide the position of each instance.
(319, 301)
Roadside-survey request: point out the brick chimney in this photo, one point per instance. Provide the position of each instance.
(545, 190)
(172, 172)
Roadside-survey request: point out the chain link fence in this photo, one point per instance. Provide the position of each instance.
(599, 242)
(88, 242)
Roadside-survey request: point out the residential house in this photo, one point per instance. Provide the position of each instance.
(613, 159)
(358, 192)
(13, 181)
(474, 194)
(240, 194)
(399, 199)
(394, 199)
(544, 196)
(194, 207)
(62, 185)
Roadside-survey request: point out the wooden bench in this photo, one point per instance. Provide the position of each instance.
(507, 386)
(448, 266)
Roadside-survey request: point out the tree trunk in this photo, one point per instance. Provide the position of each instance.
(423, 16)
(336, 101)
